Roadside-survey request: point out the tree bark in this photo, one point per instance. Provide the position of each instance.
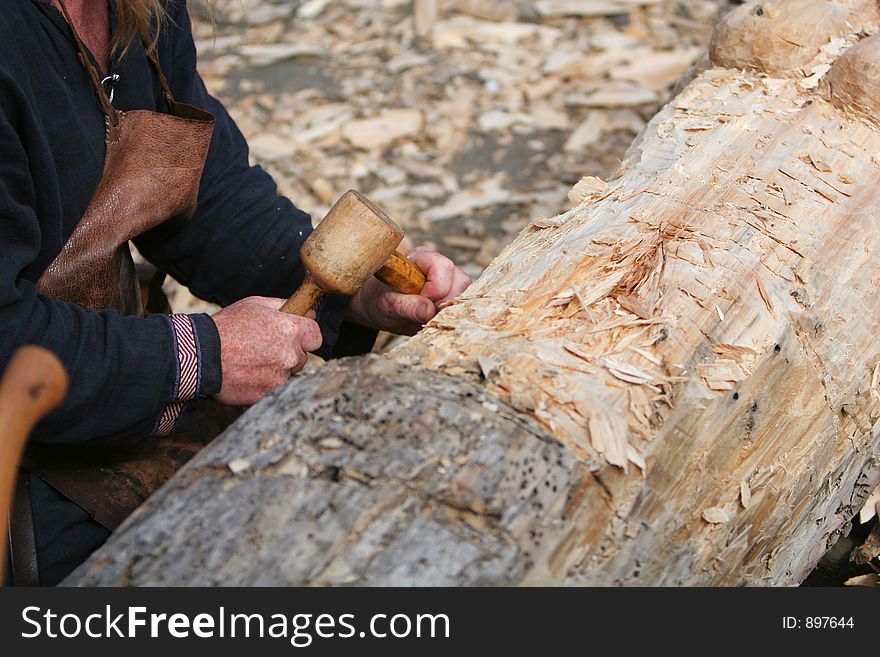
(675, 383)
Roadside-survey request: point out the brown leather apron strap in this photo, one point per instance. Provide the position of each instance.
(109, 111)
(153, 56)
(22, 541)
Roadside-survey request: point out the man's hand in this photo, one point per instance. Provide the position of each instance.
(376, 305)
(260, 347)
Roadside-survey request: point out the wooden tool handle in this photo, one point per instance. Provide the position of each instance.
(303, 299)
(34, 383)
(401, 275)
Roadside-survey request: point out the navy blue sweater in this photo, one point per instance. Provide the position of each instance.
(243, 240)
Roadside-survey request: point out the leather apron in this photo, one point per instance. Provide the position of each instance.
(150, 182)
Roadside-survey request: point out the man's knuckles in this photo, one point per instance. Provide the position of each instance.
(300, 332)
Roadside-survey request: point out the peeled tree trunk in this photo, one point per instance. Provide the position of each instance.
(676, 382)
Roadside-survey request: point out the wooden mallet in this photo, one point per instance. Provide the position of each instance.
(354, 241)
(34, 383)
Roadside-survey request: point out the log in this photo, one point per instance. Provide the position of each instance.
(675, 383)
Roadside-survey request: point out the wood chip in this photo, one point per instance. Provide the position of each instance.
(486, 194)
(497, 10)
(627, 322)
(871, 507)
(657, 70)
(587, 189)
(272, 147)
(733, 352)
(745, 494)
(636, 457)
(322, 189)
(648, 356)
(816, 74)
(870, 549)
(311, 8)
(636, 306)
(562, 297)
(722, 374)
(717, 515)
(613, 95)
(870, 580)
(424, 16)
(562, 422)
(272, 53)
(489, 365)
(598, 123)
(384, 129)
(763, 293)
(238, 466)
(544, 222)
(607, 439)
(818, 164)
(464, 32)
(589, 7)
(627, 372)
(599, 290)
(577, 350)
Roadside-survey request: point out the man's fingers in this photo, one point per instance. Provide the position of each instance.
(377, 306)
(298, 363)
(438, 269)
(303, 330)
(462, 279)
(307, 333)
(460, 282)
(410, 307)
(293, 360)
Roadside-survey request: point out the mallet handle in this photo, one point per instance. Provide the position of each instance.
(34, 384)
(303, 299)
(398, 273)
(401, 275)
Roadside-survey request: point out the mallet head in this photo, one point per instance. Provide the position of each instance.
(350, 244)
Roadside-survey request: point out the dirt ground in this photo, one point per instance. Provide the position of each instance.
(464, 119)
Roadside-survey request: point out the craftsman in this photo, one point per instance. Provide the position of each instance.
(81, 174)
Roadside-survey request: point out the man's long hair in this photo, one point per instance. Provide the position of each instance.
(137, 20)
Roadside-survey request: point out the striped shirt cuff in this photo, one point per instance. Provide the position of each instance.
(187, 382)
